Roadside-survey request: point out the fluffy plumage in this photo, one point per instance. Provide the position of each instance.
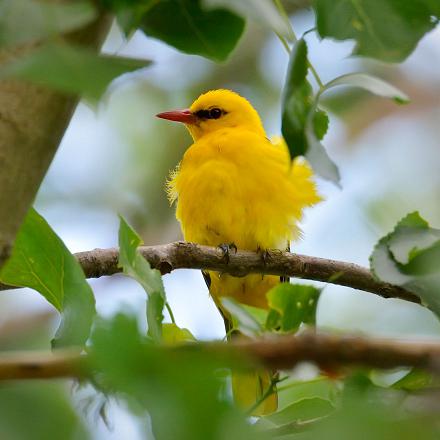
(236, 186)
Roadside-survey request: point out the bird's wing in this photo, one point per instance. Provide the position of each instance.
(228, 322)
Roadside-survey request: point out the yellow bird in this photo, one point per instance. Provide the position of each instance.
(236, 188)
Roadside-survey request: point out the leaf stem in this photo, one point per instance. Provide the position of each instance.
(316, 76)
(284, 42)
(284, 14)
(270, 390)
(170, 312)
(286, 18)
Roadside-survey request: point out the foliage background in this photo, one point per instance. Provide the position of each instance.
(114, 159)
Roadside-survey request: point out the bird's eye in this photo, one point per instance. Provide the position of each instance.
(215, 113)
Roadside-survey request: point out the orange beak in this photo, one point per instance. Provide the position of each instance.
(184, 116)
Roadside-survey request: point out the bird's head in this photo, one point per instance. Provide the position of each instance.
(216, 110)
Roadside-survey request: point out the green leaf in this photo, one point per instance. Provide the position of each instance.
(70, 69)
(317, 155)
(263, 12)
(188, 27)
(172, 334)
(38, 410)
(414, 380)
(300, 411)
(290, 305)
(260, 315)
(303, 124)
(388, 30)
(41, 261)
(293, 390)
(411, 236)
(410, 257)
(136, 266)
(181, 389)
(24, 21)
(372, 84)
(369, 412)
(243, 320)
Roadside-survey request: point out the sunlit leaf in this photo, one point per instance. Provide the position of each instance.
(260, 315)
(290, 305)
(300, 411)
(372, 84)
(172, 334)
(410, 257)
(23, 21)
(70, 69)
(243, 320)
(136, 266)
(388, 30)
(292, 390)
(414, 380)
(318, 157)
(41, 261)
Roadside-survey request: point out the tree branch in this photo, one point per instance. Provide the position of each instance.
(183, 255)
(278, 352)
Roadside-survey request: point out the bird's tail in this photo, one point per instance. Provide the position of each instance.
(254, 391)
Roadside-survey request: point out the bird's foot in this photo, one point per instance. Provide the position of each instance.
(226, 248)
(265, 255)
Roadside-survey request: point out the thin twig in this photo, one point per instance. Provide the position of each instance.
(286, 18)
(184, 255)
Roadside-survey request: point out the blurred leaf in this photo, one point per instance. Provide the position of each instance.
(172, 334)
(300, 411)
(303, 124)
(180, 389)
(70, 69)
(260, 315)
(290, 305)
(243, 320)
(136, 266)
(38, 411)
(370, 83)
(414, 380)
(129, 13)
(263, 12)
(410, 257)
(317, 155)
(41, 261)
(292, 390)
(24, 21)
(388, 30)
(411, 236)
(187, 26)
(370, 412)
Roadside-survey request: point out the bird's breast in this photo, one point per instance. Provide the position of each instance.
(231, 193)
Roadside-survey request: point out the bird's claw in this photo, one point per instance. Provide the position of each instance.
(226, 248)
(265, 255)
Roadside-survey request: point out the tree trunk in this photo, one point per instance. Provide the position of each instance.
(33, 120)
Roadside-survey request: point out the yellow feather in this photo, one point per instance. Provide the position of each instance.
(236, 186)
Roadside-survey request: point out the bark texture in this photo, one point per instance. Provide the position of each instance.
(180, 255)
(33, 120)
